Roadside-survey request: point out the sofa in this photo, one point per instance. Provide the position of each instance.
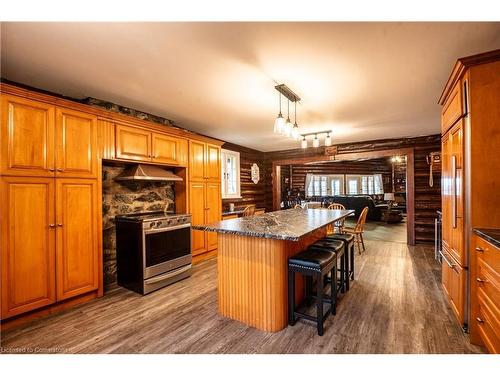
(356, 203)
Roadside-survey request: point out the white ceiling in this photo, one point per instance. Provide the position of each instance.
(361, 80)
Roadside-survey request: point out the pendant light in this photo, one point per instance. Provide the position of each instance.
(315, 141)
(288, 124)
(328, 140)
(295, 130)
(279, 123)
(303, 144)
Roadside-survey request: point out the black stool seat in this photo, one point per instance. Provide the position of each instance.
(339, 248)
(317, 263)
(348, 239)
(313, 259)
(341, 236)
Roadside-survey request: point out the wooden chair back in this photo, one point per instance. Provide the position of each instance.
(360, 225)
(297, 206)
(249, 210)
(336, 206)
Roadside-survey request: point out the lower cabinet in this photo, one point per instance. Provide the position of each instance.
(205, 207)
(77, 240)
(453, 279)
(50, 241)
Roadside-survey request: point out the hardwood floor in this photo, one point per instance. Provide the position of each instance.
(395, 306)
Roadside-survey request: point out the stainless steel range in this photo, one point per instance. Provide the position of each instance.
(153, 249)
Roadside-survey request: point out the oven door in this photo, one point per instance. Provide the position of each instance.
(166, 249)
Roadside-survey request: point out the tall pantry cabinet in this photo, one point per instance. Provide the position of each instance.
(470, 121)
(50, 233)
(205, 199)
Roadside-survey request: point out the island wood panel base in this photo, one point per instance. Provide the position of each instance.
(252, 278)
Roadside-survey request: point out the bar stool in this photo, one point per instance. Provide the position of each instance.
(348, 240)
(313, 263)
(339, 248)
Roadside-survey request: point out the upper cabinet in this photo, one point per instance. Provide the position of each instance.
(133, 143)
(144, 145)
(76, 144)
(27, 137)
(453, 108)
(204, 162)
(41, 140)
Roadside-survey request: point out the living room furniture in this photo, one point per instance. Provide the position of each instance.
(356, 203)
(392, 216)
(358, 230)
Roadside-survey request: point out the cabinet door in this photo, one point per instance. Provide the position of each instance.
(77, 237)
(213, 214)
(212, 170)
(27, 134)
(27, 244)
(197, 157)
(165, 149)
(76, 144)
(457, 249)
(133, 143)
(197, 209)
(446, 191)
(453, 279)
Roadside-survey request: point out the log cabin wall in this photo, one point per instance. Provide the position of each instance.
(251, 193)
(427, 199)
(380, 165)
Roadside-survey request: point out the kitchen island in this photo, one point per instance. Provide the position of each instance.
(252, 261)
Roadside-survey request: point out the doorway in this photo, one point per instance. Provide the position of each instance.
(401, 180)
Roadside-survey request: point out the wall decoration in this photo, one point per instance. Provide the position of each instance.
(255, 173)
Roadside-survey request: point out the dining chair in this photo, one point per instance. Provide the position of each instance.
(338, 225)
(297, 206)
(249, 210)
(358, 230)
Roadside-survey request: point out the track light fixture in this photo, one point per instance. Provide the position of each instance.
(315, 143)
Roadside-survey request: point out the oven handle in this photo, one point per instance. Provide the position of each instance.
(167, 229)
(167, 275)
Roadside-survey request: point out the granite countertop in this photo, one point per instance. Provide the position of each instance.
(288, 225)
(492, 235)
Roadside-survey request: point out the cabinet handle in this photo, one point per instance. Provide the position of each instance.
(479, 320)
(454, 181)
(479, 280)
(153, 156)
(51, 169)
(59, 169)
(451, 265)
(479, 249)
(59, 225)
(52, 225)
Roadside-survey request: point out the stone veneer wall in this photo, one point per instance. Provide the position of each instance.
(127, 197)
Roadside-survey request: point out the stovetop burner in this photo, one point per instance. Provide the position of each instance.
(156, 219)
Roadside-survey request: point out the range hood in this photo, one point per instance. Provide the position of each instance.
(144, 172)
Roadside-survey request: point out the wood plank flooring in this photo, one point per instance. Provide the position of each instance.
(396, 305)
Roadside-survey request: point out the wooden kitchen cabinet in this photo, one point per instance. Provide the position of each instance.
(28, 244)
(204, 162)
(197, 208)
(169, 150)
(76, 144)
(453, 281)
(77, 237)
(213, 202)
(133, 143)
(213, 167)
(27, 141)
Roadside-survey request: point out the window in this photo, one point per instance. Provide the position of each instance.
(364, 184)
(324, 185)
(230, 162)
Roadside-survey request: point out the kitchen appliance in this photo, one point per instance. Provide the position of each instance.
(153, 249)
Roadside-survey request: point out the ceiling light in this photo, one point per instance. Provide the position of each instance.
(328, 140)
(279, 123)
(315, 141)
(303, 144)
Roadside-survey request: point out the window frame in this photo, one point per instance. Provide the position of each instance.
(224, 175)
